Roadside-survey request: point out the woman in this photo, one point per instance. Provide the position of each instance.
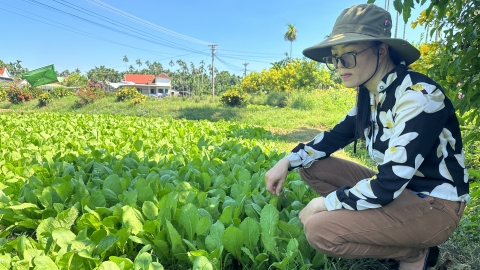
(416, 199)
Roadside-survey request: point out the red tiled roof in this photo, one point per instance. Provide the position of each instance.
(139, 78)
(163, 76)
(2, 70)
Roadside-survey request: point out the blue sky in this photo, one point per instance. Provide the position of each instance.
(86, 33)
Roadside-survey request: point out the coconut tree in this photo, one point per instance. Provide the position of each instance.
(139, 63)
(147, 63)
(125, 59)
(290, 35)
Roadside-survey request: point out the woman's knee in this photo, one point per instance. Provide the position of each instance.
(318, 234)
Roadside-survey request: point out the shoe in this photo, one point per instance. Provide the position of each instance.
(432, 257)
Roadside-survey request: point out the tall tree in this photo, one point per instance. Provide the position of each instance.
(125, 59)
(139, 63)
(290, 35)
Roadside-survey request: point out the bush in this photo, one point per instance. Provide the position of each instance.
(44, 99)
(259, 98)
(36, 92)
(302, 101)
(88, 96)
(130, 94)
(277, 99)
(127, 93)
(61, 92)
(234, 97)
(3, 94)
(18, 95)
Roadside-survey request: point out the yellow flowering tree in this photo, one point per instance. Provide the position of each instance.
(295, 75)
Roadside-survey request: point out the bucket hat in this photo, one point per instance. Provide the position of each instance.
(364, 22)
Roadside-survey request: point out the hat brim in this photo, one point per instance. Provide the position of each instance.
(403, 50)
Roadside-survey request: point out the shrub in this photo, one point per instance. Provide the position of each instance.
(277, 99)
(44, 99)
(234, 97)
(139, 99)
(36, 92)
(302, 100)
(61, 92)
(88, 96)
(127, 93)
(3, 94)
(259, 98)
(18, 95)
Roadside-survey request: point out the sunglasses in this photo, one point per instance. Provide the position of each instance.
(348, 60)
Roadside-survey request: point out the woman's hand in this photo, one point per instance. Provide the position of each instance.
(275, 177)
(314, 206)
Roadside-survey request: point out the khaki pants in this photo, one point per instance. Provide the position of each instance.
(401, 230)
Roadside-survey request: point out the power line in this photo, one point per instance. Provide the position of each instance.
(113, 25)
(117, 23)
(163, 43)
(146, 23)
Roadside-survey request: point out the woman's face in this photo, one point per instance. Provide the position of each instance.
(366, 63)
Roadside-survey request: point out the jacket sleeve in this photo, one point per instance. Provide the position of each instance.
(325, 143)
(412, 127)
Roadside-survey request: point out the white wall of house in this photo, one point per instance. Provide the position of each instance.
(6, 76)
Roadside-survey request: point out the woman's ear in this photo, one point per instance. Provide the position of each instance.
(383, 50)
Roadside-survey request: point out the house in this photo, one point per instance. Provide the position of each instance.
(147, 84)
(5, 76)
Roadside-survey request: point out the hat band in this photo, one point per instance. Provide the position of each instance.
(361, 29)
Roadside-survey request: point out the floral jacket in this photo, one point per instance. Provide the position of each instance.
(416, 143)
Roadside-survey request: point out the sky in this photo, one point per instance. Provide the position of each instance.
(85, 34)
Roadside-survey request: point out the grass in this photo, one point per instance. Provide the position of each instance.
(290, 127)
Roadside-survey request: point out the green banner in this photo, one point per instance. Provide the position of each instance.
(41, 76)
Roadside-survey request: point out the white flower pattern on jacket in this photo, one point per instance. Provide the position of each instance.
(416, 142)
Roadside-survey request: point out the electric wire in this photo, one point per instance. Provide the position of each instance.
(74, 30)
(104, 26)
(144, 22)
(117, 23)
(139, 34)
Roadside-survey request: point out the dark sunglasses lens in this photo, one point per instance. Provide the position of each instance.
(331, 63)
(348, 60)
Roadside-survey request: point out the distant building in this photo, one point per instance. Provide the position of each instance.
(5, 76)
(147, 84)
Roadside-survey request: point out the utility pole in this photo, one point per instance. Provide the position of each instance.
(245, 72)
(213, 73)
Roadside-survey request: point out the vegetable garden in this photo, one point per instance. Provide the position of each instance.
(117, 192)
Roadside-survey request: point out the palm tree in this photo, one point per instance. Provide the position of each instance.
(139, 63)
(148, 65)
(290, 35)
(171, 64)
(125, 59)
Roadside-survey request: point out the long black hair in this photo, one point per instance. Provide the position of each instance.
(362, 120)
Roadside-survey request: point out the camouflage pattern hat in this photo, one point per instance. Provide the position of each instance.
(365, 22)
